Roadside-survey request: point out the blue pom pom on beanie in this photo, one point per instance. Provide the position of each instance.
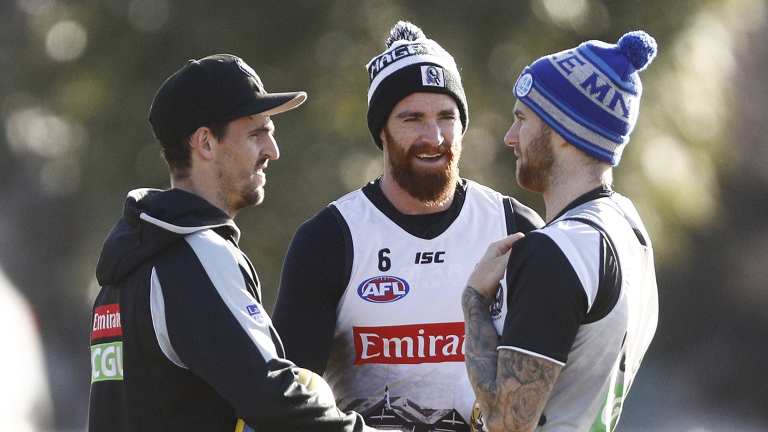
(590, 94)
(639, 47)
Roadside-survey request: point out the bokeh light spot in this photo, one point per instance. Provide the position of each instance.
(38, 132)
(60, 177)
(35, 7)
(148, 15)
(66, 41)
(356, 169)
(563, 13)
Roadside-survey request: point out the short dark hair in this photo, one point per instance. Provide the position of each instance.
(177, 154)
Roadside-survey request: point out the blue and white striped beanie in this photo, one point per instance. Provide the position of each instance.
(590, 94)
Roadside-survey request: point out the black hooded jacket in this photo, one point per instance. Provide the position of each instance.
(180, 340)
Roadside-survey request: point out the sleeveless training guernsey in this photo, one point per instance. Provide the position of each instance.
(398, 349)
(606, 353)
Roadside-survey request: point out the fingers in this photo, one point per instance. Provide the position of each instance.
(504, 245)
(490, 269)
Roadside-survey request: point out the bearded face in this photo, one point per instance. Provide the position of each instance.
(534, 162)
(426, 171)
(241, 158)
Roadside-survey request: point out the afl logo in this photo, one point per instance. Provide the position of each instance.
(383, 289)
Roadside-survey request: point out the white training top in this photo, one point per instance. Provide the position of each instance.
(399, 338)
(606, 354)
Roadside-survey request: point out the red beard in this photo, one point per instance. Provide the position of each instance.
(534, 165)
(430, 186)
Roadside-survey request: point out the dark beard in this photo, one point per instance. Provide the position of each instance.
(251, 197)
(534, 173)
(430, 187)
(247, 195)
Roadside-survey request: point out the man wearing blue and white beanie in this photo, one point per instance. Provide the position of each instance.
(582, 302)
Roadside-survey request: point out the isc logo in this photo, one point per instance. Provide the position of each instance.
(429, 257)
(383, 289)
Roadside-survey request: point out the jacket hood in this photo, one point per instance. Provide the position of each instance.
(152, 221)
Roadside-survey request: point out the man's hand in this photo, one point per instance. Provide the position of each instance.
(490, 269)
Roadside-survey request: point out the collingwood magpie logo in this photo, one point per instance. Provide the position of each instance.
(498, 303)
(432, 76)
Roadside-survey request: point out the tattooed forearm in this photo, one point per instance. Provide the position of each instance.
(524, 383)
(511, 387)
(480, 347)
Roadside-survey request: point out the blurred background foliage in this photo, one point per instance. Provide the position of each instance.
(78, 77)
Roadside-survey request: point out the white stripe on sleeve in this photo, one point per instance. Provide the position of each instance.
(157, 310)
(219, 259)
(530, 353)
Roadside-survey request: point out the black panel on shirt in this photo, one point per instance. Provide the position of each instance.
(210, 341)
(539, 266)
(428, 226)
(509, 216)
(425, 226)
(318, 266)
(546, 303)
(610, 269)
(609, 285)
(315, 273)
(523, 219)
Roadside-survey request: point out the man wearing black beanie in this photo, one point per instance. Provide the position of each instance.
(380, 271)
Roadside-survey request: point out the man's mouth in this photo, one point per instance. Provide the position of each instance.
(429, 157)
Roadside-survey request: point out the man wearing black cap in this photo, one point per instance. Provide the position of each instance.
(180, 340)
(380, 271)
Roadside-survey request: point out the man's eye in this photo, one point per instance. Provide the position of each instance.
(261, 132)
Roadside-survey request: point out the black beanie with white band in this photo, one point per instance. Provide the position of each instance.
(411, 63)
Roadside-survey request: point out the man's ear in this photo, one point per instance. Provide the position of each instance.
(203, 143)
(556, 139)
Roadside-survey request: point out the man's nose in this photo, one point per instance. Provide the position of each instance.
(433, 133)
(511, 138)
(273, 151)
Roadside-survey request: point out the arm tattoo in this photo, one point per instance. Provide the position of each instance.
(511, 387)
(524, 383)
(480, 349)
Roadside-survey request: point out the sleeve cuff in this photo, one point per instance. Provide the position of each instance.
(531, 353)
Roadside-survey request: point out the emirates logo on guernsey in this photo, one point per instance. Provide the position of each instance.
(106, 356)
(409, 344)
(106, 322)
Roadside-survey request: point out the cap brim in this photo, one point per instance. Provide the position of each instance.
(276, 103)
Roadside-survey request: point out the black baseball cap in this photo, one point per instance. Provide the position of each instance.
(213, 89)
